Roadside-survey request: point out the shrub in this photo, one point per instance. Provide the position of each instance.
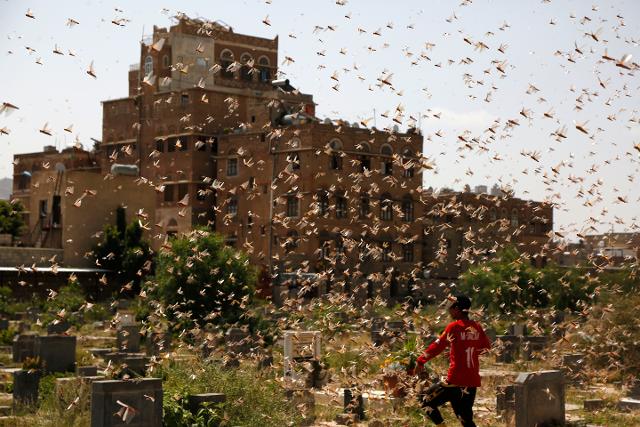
(199, 279)
(11, 218)
(253, 398)
(123, 250)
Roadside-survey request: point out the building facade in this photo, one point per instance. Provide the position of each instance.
(210, 137)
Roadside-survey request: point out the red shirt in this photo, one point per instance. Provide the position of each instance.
(468, 341)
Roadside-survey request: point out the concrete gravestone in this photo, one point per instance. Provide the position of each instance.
(536, 399)
(508, 347)
(300, 347)
(128, 337)
(57, 352)
(23, 347)
(533, 346)
(135, 403)
(386, 331)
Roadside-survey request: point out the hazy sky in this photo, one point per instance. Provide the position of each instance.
(436, 72)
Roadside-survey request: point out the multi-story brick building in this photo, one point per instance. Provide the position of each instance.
(215, 140)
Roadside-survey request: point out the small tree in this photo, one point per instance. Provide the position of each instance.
(199, 278)
(123, 251)
(11, 218)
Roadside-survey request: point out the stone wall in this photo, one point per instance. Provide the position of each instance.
(15, 256)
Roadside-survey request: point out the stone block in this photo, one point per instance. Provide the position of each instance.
(131, 363)
(196, 401)
(508, 347)
(100, 352)
(629, 404)
(594, 404)
(142, 396)
(517, 329)
(23, 347)
(387, 331)
(25, 387)
(58, 327)
(633, 389)
(57, 353)
(157, 342)
(237, 341)
(354, 403)
(532, 347)
(539, 399)
(87, 371)
(128, 338)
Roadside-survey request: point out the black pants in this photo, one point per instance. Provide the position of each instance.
(461, 399)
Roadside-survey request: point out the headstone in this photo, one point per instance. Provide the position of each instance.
(100, 352)
(59, 327)
(87, 371)
(56, 352)
(634, 388)
(25, 386)
(386, 331)
(197, 401)
(143, 396)
(538, 400)
(629, 404)
(354, 403)
(508, 347)
(128, 338)
(573, 364)
(23, 347)
(157, 342)
(237, 341)
(491, 334)
(517, 329)
(533, 346)
(593, 404)
(300, 347)
(134, 364)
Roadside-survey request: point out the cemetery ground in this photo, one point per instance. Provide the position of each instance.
(108, 379)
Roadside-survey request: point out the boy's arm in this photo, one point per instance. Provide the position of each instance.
(435, 348)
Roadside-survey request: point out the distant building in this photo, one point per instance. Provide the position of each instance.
(209, 136)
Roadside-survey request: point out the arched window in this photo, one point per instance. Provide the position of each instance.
(503, 213)
(247, 66)
(386, 162)
(336, 158)
(514, 217)
(265, 69)
(165, 61)
(226, 59)
(407, 209)
(493, 214)
(148, 65)
(386, 207)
